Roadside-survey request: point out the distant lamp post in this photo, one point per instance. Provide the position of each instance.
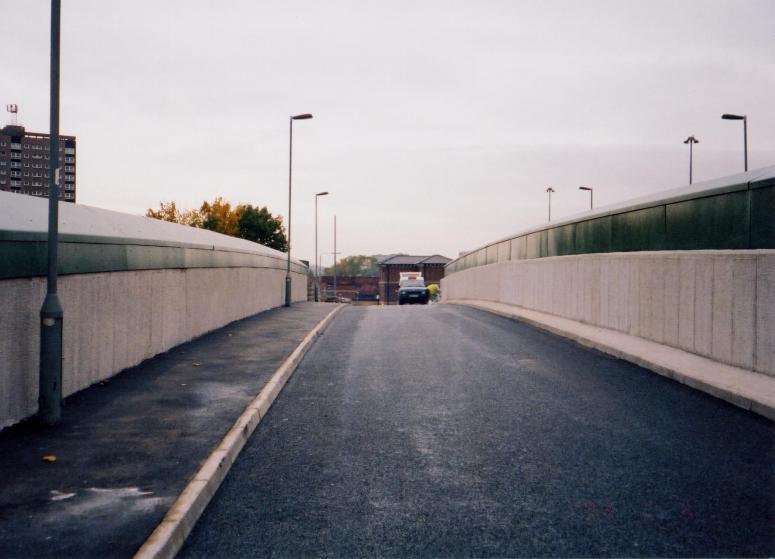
(317, 269)
(744, 118)
(290, 172)
(590, 194)
(322, 254)
(691, 140)
(336, 297)
(549, 190)
(51, 313)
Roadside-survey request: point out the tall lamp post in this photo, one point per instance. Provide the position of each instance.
(290, 172)
(744, 118)
(51, 313)
(691, 140)
(549, 190)
(317, 270)
(590, 194)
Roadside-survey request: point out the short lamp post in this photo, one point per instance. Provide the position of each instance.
(691, 140)
(744, 118)
(549, 191)
(290, 172)
(591, 204)
(317, 270)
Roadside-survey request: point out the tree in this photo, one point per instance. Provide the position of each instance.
(356, 265)
(245, 221)
(219, 217)
(166, 212)
(258, 225)
(169, 212)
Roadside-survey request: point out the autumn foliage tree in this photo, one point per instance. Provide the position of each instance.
(168, 211)
(245, 221)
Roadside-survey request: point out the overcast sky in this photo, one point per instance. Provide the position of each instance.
(437, 124)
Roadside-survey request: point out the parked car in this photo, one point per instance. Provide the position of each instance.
(412, 291)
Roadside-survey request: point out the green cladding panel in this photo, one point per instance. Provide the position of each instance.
(492, 254)
(537, 245)
(763, 217)
(519, 248)
(561, 240)
(734, 215)
(638, 230)
(715, 222)
(504, 251)
(593, 235)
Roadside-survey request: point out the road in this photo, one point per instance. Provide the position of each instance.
(446, 431)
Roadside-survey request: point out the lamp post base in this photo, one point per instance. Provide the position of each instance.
(50, 390)
(288, 291)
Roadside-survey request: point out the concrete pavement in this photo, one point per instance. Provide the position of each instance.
(127, 447)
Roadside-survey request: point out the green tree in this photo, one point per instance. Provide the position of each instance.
(356, 265)
(259, 225)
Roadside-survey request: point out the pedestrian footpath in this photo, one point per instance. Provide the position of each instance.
(98, 484)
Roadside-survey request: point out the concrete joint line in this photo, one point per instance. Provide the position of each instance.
(758, 396)
(169, 536)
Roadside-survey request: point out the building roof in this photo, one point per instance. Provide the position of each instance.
(406, 259)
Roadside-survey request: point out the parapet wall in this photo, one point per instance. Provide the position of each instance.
(718, 304)
(131, 287)
(692, 268)
(732, 213)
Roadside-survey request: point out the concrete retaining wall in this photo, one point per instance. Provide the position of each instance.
(125, 298)
(718, 304)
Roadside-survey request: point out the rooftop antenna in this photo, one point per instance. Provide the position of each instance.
(14, 110)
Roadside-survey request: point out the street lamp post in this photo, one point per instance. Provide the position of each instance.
(320, 258)
(335, 253)
(744, 118)
(691, 140)
(549, 190)
(51, 313)
(317, 270)
(290, 170)
(590, 194)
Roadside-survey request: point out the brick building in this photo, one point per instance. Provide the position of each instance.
(24, 163)
(390, 267)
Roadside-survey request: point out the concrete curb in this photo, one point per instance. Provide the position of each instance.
(169, 536)
(746, 389)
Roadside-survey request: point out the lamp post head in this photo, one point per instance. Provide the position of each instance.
(322, 194)
(585, 188)
(305, 116)
(550, 189)
(732, 117)
(691, 140)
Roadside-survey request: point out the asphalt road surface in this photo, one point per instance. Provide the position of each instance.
(443, 431)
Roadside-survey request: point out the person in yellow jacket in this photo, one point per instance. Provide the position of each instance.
(433, 292)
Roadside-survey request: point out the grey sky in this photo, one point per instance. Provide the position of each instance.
(438, 124)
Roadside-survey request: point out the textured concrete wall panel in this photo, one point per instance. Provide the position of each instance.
(115, 320)
(719, 304)
(764, 334)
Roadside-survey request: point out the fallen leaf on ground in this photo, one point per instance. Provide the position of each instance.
(195, 364)
(49, 458)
